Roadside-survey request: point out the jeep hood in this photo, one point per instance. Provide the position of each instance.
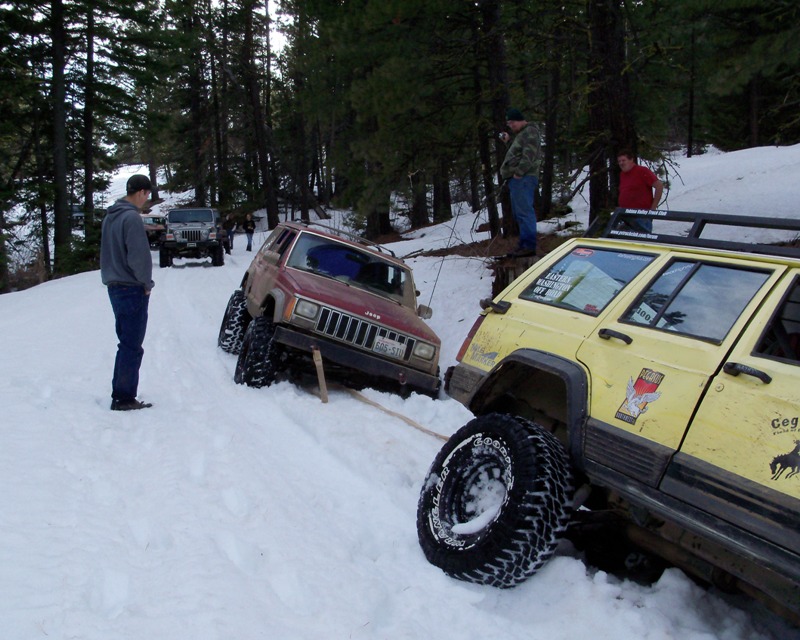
(359, 302)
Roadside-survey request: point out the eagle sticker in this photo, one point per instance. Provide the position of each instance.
(639, 394)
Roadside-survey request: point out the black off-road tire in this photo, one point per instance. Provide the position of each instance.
(257, 365)
(218, 256)
(496, 501)
(164, 258)
(234, 323)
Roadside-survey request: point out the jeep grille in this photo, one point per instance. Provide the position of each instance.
(191, 235)
(358, 332)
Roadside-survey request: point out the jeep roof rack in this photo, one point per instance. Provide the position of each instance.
(348, 234)
(623, 224)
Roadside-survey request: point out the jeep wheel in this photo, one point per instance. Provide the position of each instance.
(495, 502)
(257, 364)
(234, 323)
(164, 258)
(217, 256)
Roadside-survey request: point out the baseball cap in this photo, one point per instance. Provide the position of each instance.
(137, 183)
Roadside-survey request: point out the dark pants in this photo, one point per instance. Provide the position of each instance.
(522, 191)
(249, 241)
(129, 303)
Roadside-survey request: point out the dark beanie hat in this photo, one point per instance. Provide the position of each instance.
(514, 114)
(137, 183)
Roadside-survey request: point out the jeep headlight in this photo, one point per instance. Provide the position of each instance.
(306, 309)
(424, 350)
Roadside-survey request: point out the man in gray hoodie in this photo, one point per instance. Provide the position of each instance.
(126, 268)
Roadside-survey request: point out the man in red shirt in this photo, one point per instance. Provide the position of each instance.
(637, 185)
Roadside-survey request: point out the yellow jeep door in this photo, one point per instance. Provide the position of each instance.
(651, 361)
(741, 457)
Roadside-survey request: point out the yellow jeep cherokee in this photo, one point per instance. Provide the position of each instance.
(656, 373)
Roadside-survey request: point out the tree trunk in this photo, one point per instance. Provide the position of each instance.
(484, 134)
(222, 113)
(301, 164)
(375, 201)
(378, 222)
(419, 200)
(257, 118)
(63, 226)
(191, 26)
(610, 111)
(219, 163)
(754, 95)
(495, 57)
(690, 119)
(41, 187)
(89, 231)
(442, 200)
(550, 134)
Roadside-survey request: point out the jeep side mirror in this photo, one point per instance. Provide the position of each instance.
(498, 307)
(424, 312)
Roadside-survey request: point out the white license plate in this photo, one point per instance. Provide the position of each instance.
(191, 244)
(388, 347)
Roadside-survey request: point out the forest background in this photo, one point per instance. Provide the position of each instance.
(368, 105)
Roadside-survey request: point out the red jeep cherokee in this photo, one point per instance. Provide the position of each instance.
(352, 300)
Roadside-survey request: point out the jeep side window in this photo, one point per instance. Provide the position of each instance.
(696, 299)
(283, 242)
(781, 340)
(587, 279)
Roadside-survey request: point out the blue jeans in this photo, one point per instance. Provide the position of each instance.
(521, 191)
(249, 241)
(129, 303)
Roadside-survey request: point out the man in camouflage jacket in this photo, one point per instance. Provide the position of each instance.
(521, 169)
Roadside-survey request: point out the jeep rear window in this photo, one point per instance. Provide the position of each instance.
(279, 240)
(587, 279)
(696, 299)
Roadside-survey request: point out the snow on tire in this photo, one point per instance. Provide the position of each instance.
(257, 365)
(234, 323)
(496, 501)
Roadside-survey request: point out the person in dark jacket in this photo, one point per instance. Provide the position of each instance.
(229, 226)
(249, 227)
(126, 268)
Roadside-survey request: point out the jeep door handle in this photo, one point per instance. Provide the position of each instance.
(735, 368)
(607, 334)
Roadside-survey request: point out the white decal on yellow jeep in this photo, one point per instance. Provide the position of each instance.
(639, 394)
(479, 356)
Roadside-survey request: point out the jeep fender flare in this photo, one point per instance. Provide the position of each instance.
(570, 373)
(274, 304)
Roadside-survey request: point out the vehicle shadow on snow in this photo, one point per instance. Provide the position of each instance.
(191, 265)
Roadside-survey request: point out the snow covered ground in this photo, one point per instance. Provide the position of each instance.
(229, 512)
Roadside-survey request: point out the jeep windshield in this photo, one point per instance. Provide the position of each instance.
(345, 263)
(586, 279)
(191, 215)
